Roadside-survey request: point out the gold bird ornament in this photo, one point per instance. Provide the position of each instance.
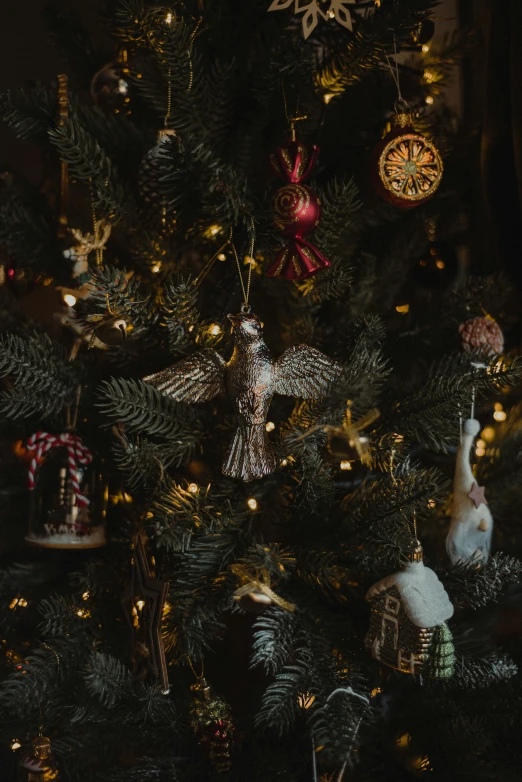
(250, 378)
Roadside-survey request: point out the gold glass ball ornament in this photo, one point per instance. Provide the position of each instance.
(409, 165)
(110, 86)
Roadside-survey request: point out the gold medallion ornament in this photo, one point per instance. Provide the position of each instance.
(409, 165)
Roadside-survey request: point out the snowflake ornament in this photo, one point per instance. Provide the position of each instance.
(326, 9)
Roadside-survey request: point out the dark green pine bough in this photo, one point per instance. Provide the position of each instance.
(321, 535)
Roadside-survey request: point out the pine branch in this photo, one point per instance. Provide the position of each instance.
(338, 723)
(37, 366)
(481, 672)
(475, 586)
(107, 679)
(31, 112)
(339, 200)
(140, 461)
(379, 513)
(430, 414)
(143, 409)
(279, 707)
(178, 303)
(273, 639)
(373, 36)
(89, 164)
(177, 514)
(122, 292)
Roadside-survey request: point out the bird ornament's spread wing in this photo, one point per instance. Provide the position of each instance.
(197, 378)
(305, 372)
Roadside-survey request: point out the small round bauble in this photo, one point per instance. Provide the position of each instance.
(483, 334)
(296, 210)
(110, 88)
(408, 166)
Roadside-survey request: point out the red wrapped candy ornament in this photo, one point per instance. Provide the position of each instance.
(297, 210)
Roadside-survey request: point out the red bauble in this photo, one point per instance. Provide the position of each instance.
(482, 334)
(297, 210)
(406, 166)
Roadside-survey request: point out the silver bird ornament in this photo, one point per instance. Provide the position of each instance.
(250, 378)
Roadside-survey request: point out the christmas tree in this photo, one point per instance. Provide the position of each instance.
(267, 362)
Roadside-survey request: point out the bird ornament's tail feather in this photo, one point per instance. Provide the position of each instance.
(250, 455)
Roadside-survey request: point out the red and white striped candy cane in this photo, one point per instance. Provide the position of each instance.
(77, 453)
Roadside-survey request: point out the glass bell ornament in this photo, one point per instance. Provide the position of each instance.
(110, 86)
(68, 501)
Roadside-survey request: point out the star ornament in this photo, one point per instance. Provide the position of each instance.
(312, 11)
(477, 495)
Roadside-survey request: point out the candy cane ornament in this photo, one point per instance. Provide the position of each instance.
(77, 454)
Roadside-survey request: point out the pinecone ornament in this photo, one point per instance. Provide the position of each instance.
(482, 334)
(148, 174)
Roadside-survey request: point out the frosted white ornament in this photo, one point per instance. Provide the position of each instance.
(407, 607)
(469, 536)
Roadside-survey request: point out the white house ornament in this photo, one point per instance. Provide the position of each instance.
(315, 10)
(406, 609)
(250, 378)
(471, 528)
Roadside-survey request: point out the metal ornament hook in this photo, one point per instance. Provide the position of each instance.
(245, 308)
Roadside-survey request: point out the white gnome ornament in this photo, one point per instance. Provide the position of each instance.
(469, 536)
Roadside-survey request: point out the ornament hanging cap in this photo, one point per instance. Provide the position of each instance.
(416, 552)
(403, 117)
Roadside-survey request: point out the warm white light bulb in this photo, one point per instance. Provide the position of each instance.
(345, 465)
(270, 426)
(252, 503)
(69, 299)
(193, 488)
(429, 99)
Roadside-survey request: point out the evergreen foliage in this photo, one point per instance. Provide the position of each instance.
(306, 698)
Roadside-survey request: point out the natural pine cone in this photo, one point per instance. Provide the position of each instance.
(482, 334)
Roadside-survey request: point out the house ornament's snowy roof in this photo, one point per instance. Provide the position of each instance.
(424, 598)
